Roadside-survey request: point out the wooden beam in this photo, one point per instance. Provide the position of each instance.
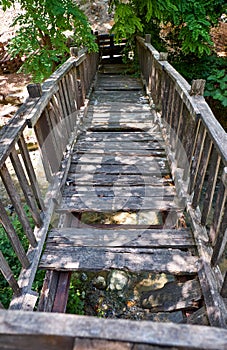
(40, 329)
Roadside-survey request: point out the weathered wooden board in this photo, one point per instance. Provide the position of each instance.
(173, 296)
(119, 180)
(122, 96)
(121, 136)
(91, 344)
(146, 238)
(119, 170)
(119, 107)
(102, 191)
(26, 330)
(139, 116)
(159, 166)
(124, 126)
(117, 145)
(136, 160)
(62, 291)
(69, 258)
(126, 152)
(127, 203)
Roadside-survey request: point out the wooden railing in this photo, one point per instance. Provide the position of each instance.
(197, 150)
(54, 110)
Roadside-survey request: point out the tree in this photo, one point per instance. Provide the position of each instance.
(190, 20)
(42, 34)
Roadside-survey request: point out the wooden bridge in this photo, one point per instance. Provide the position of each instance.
(110, 142)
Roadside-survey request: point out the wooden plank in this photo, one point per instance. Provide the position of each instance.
(126, 152)
(201, 172)
(121, 136)
(27, 275)
(115, 115)
(16, 201)
(122, 96)
(221, 239)
(118, 146)
(124, 126)
(48, 291)
(90, 344)
(173, 296)
(115, 180)
(215, 306)
(211, 185)
(27, 190)
(35, 342)
(147, 238)
(37, 327)
(198, 317)
(102, 191)
(119, 202)
(159, 166)
(62, 291)
(13, 237)
(8, 274)
(70, 258)
(119, 107)
(136, 160)
(214, 128)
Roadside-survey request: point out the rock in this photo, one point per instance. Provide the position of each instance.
(173, 296)
(99, 282)
(83, 277)
(118, 280)
(175, 317)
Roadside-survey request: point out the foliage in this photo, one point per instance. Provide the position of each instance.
(76, 297)
(211, 68)
(42, 34)
(190, 20)
(216, 86)
(9, 254)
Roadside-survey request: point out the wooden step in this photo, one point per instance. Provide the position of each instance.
(106, 191)
(135, 250)
(120, 202)
(119, 107)
(157, 167)
(121, 136)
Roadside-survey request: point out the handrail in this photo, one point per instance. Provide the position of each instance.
(54, 110)
(196, 147)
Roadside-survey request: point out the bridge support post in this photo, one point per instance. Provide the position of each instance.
(34, 90)
(74, 51)
(197, 88)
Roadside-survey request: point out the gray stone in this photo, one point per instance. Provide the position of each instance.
(118, 280)
(99, 282)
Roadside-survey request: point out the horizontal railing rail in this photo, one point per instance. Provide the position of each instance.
(54, 110)
(196, 147)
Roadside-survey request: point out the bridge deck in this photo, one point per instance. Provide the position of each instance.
(119, 163)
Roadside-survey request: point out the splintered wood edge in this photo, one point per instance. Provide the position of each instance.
(16, 324)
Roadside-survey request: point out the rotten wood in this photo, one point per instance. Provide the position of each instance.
(134, 259)
(45, 331)
(99, 203)
(62, 290)
(149, 238)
